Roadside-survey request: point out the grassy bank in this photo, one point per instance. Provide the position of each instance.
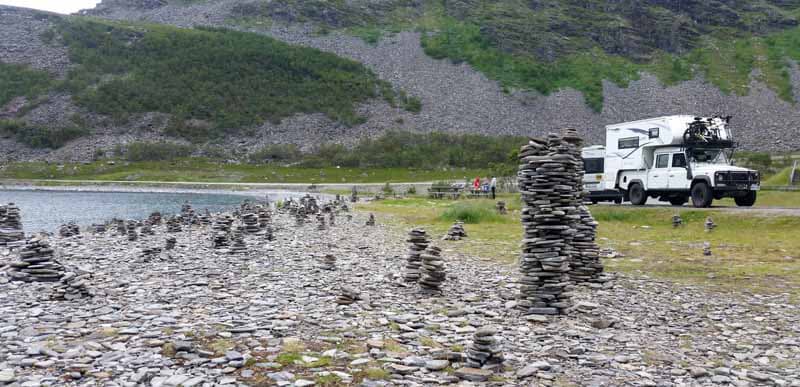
(198, 170)
(751, 251)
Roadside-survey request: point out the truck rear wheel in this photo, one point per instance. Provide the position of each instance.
(637, 194)
(746, 200)
(702, 195)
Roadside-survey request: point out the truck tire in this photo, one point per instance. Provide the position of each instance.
(678, 200)
(702, 196)
(747, 200)
(637, 194)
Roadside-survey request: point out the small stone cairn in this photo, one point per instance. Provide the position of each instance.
(187, 214)
(332, 218)
(418, 242)
(148, 253)
(204, 218)
(250, 221)
(456, 232)
(220, 240)
(707, 249)
(147, 228)
(677, 221)
(585, 265)
(222, 224)
(321, 226)
(264, 217)
(433, 274)
(348, 296)
(174, 225)
(354, 195)
(36, 263)
(485, 349)
(99, 228)
(69, 230)
(170, 243)
(155, 218)
(329, 262)
(121, 230)
(300, 217)
(546, 183)
(371, 220)
(710, 225)
(72, 287)
(132, 234)
(239, 246)
(500, 207)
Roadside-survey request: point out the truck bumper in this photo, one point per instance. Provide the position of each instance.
(604, 195)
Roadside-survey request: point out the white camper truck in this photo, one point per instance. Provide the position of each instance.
(676, 158)
(594, 158)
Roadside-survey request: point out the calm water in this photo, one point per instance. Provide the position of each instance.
(47, 210)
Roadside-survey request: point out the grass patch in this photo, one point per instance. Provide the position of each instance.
(288, 358)
(19, 80)
(377, 374)
(471, 213)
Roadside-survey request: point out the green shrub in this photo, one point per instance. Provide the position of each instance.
(275, 152)
(156, 151)
(227, 78)
(471, 213)
(18, 80)
(39, 137)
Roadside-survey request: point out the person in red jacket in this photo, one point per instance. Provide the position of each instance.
(476, 185)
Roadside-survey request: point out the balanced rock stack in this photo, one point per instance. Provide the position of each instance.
(418, 242)
(238, 246)
(220, 240)
(332, 218)
(707, 249)
(500, 207)
(174, 225)
(264, 217)
(204, 218)
(547, 187)
(300, 216)
(69, 230)
(147, 228)
(709, 224)
(99, 228)
(72, 287)
(585, 265)
(677, 221)
(456, 232)
(371, 220)
(250, 221)
(347, 296)
(321, 222)
(148, 253)
(155, 218)
(329, 262)
(484, 350)
(187, 214)
(354, 195)
(269, 232)
(433, 273)
(132, 234)
(222, 224)
(170, 244)
(36, 263)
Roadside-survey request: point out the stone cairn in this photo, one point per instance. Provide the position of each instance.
(220, 240)
(132, 234)
(321, 226)
(456, 232)
(332, 218)
(238, 246)
(36, 263)
(710, 225)
(147, 228)
(148, 253)
(99, 228)
(155, 218)
(585, 265)
(707, 249)
(546, 183)
(500, 207)
(174, 225)
(204, 218)
(354, 195)
(223, 224)
(329, 262)
(371, 220)
(264, 217)
(121, 230)
(677, 221)
(69, 230)
(72, 287)
(484, 350)
(433, 273)
(187, 214)
(347, 296)
(418, 242)
(250, 221)
(10, 225)
(170, 243)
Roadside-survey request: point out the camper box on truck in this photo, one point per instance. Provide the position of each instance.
(676, 158)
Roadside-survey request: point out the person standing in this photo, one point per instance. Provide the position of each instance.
(493, 186)
(476, 185)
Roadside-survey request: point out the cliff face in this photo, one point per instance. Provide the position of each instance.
(455, 96)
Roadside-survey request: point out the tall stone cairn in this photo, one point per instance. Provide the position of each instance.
(36, 263)
(433, 273)
(418, 241)
(10, 225)
(546, 176)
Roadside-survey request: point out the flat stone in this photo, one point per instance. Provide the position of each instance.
(473, 374)
(436, 365)
(234, 355)
(304, 383)
(7, 376)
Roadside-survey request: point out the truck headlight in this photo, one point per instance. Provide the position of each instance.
(719, 177)
(755, 176)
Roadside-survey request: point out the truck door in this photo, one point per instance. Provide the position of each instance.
(677, 172)
(658, 177)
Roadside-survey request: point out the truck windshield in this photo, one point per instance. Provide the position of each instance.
(593, 165)
(708, 155)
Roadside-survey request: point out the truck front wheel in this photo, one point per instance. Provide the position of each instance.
(702, 195)
(637, 194)
(746, 200)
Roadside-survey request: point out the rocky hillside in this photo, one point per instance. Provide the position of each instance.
(499, 67)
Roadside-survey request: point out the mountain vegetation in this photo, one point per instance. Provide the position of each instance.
(549, 45)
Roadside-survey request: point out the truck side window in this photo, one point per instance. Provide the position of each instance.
(679, 160)
(593, 165)
(662, 161)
